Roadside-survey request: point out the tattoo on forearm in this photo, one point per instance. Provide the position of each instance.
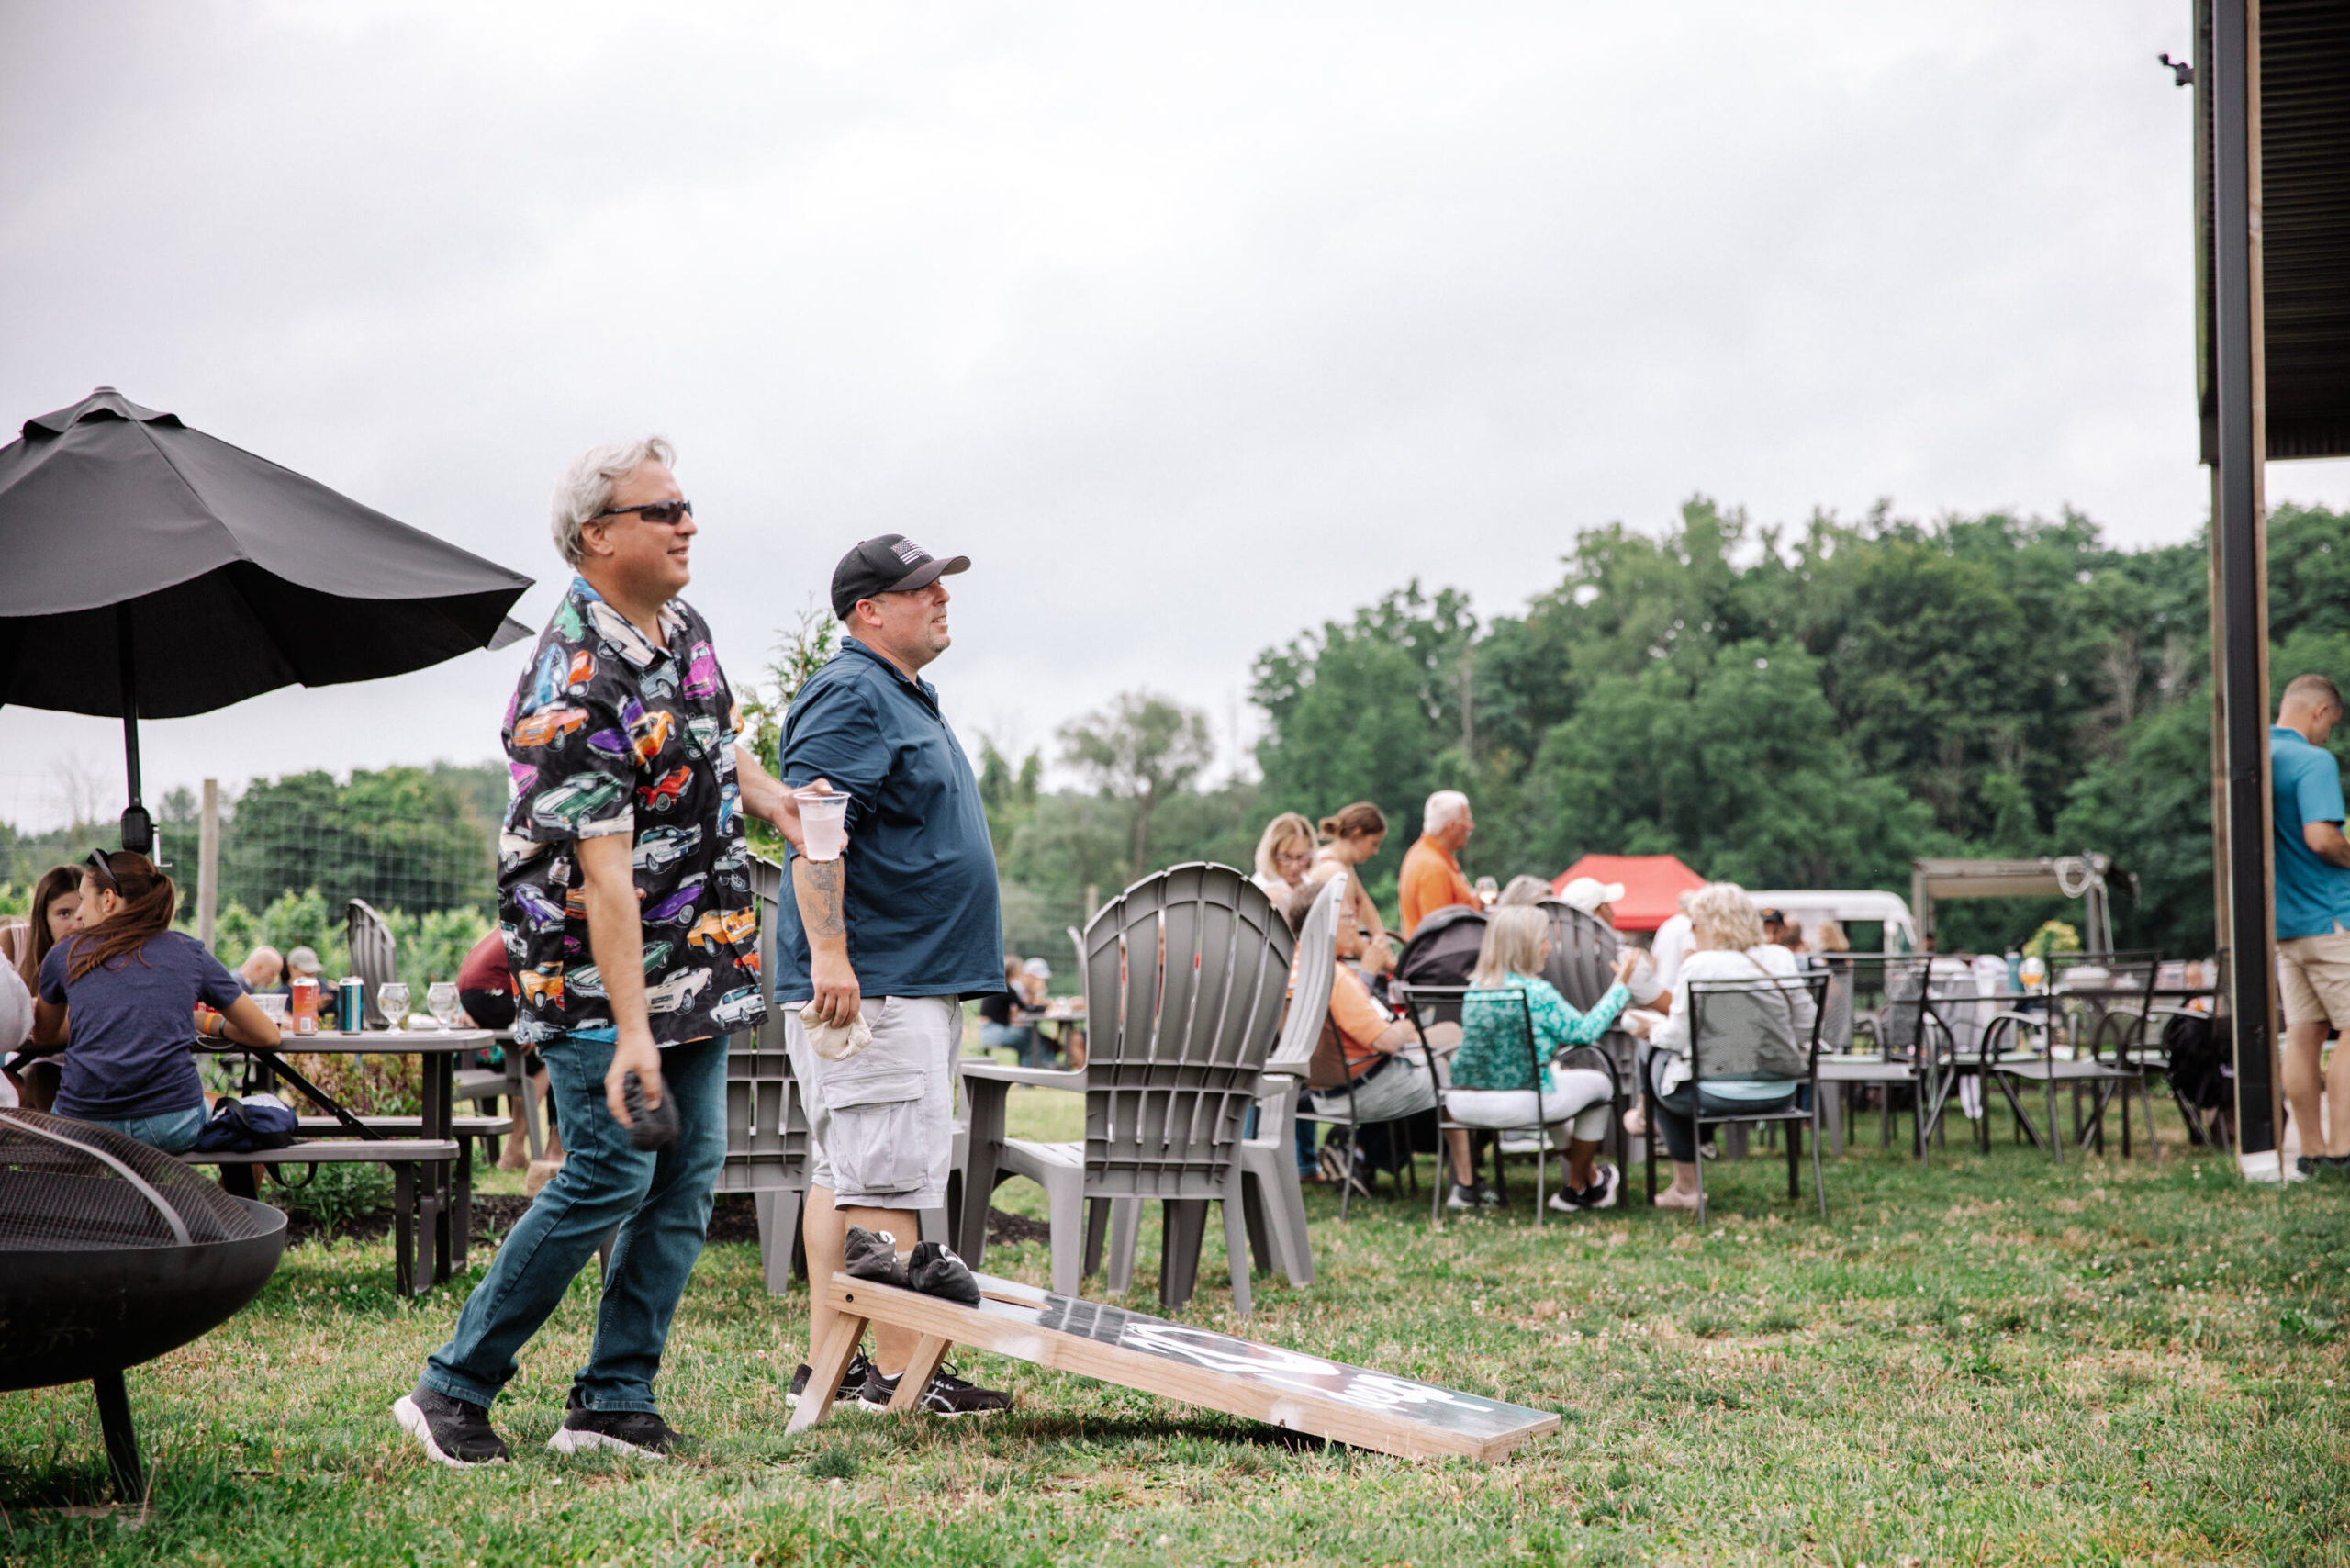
(825, 880)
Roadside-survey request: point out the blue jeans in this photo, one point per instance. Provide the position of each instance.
(1674, 1115)
(173, 1132)
(660, 1203)
(1021, 1037)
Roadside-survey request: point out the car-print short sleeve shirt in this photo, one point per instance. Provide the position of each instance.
(611, 733)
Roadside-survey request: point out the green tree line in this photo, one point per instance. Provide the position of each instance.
(1803, 707)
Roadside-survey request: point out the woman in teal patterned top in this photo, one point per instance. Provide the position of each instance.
(1494, 1082)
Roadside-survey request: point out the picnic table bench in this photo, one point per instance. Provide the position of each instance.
(411, 1203)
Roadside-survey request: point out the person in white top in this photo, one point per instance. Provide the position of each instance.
(1729, 944)
(1672, 943)
(1284, 854)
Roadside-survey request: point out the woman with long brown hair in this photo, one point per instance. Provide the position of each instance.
(1348, 840)
(54, 914)
(119, 994)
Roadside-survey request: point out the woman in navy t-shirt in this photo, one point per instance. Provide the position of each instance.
(122, 993)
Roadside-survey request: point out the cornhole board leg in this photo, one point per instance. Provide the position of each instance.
(1289, 1389)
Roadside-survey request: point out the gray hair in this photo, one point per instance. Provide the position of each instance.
(1442, 807)
(1724, 918)
(1523, 890)
(586, 488)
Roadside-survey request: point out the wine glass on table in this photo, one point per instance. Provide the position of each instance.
(392, 998)
(441, 1001)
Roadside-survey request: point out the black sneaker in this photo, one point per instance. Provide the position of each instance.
(1457, 1197)
(1488, 1195)
(948, 1396)
(934, 1269)
(453, 1431)
(1607, 1182)
(873, 1255)
(852, 1381)
(640, 1432)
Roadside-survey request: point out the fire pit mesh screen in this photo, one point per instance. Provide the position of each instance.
(67, 1186)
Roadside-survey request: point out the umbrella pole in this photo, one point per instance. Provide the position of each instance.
(138, 827)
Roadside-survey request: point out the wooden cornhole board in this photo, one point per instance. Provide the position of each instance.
(1240, 1377)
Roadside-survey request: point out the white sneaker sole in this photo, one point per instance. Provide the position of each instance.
(411, 1420)
(571, 1439)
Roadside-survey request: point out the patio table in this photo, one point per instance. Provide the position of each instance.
(436, 1051)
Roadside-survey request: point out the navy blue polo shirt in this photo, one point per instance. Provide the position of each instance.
(922, 909)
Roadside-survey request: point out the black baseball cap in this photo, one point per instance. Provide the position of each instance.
(888, 562)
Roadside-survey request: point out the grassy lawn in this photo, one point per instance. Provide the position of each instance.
(1987, 1361)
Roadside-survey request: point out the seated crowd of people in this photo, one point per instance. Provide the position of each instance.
(101, 1001)
(1499, 1048)
(96, 963)
(102, 967)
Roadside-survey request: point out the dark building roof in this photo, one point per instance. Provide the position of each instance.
(2304, 99)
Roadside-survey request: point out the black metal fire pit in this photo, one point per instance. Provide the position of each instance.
(112, 1253)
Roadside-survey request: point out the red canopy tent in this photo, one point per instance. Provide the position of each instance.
(1652, 886)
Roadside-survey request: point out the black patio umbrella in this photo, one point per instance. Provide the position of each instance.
(147, 569)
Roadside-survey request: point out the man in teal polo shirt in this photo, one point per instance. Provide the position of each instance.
(2312, 915)
(898, 931)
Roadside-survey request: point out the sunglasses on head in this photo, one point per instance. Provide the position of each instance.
(667, 514)
(96, 866)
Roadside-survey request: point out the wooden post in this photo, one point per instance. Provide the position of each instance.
(2241, 544)
(207, 864)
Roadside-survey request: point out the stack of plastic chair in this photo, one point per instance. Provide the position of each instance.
(1276, 1202)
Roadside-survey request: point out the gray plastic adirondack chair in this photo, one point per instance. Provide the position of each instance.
(1184, 975)
(374, 958)
(1276, 1203)
(766, 1126)
(767, 1116)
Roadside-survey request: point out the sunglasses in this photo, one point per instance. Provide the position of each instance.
(96, 866)
(666, 514)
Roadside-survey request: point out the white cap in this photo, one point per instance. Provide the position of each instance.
(1038, 968)
(1587, 893)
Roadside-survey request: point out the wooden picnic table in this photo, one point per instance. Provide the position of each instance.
(436, 1051)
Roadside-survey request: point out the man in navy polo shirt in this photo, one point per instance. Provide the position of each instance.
(898, 930)
(2312, 913)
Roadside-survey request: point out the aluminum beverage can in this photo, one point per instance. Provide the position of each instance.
(304, 1004)
(350, 1004)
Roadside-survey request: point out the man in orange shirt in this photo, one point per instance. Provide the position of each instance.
(1431, 877)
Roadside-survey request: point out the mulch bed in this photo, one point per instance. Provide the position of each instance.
(733, 1218)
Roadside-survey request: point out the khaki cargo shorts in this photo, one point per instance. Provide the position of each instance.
(2314, 972)
(881, 1125)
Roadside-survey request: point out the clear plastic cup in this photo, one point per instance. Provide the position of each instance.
(824, 822)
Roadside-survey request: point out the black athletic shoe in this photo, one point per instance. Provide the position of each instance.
(639, 1432)
(1607, 1182)
(1459, 1198)
(453, 1432)
(852, 1381)
(873, 1255)
(948, 1396)
(934, 1269)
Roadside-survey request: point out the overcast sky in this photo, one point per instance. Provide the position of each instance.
(1193, 325)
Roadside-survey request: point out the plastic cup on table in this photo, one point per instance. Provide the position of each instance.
(823, 823)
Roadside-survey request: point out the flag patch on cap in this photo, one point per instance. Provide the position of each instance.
(909, 551)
